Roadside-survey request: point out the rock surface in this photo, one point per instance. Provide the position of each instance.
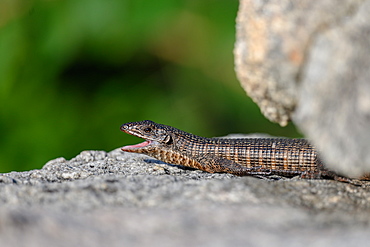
(123, 199)
(309, 61)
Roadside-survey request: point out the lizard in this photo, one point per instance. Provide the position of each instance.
(259, 157)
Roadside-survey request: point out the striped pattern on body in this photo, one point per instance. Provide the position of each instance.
(245, 156)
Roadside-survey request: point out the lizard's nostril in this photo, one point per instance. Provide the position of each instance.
(123, 127)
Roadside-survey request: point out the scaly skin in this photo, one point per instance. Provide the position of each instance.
(246, 156)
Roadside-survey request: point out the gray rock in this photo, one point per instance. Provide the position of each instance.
(309, 61)
(123, 199)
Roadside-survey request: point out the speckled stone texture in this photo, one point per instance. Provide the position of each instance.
(309, 61)
(123, 199)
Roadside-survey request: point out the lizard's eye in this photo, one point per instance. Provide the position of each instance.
(148, 130)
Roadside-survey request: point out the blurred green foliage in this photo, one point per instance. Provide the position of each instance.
(73, 71)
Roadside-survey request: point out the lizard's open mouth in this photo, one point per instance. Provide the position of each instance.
(136, 146)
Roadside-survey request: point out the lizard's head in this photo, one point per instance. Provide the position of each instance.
(154, 134)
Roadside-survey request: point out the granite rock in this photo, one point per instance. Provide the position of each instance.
(123, 199)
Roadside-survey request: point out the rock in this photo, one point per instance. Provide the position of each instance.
(124, 199)
(309, 61)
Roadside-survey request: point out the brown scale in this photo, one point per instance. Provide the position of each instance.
(249, 156)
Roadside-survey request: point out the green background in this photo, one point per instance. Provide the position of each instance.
(73, 71)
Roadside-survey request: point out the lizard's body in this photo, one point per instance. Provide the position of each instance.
(246, 156)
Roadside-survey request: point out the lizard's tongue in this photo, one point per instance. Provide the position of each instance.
(140, 145)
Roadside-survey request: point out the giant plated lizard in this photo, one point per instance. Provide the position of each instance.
(259, 157)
